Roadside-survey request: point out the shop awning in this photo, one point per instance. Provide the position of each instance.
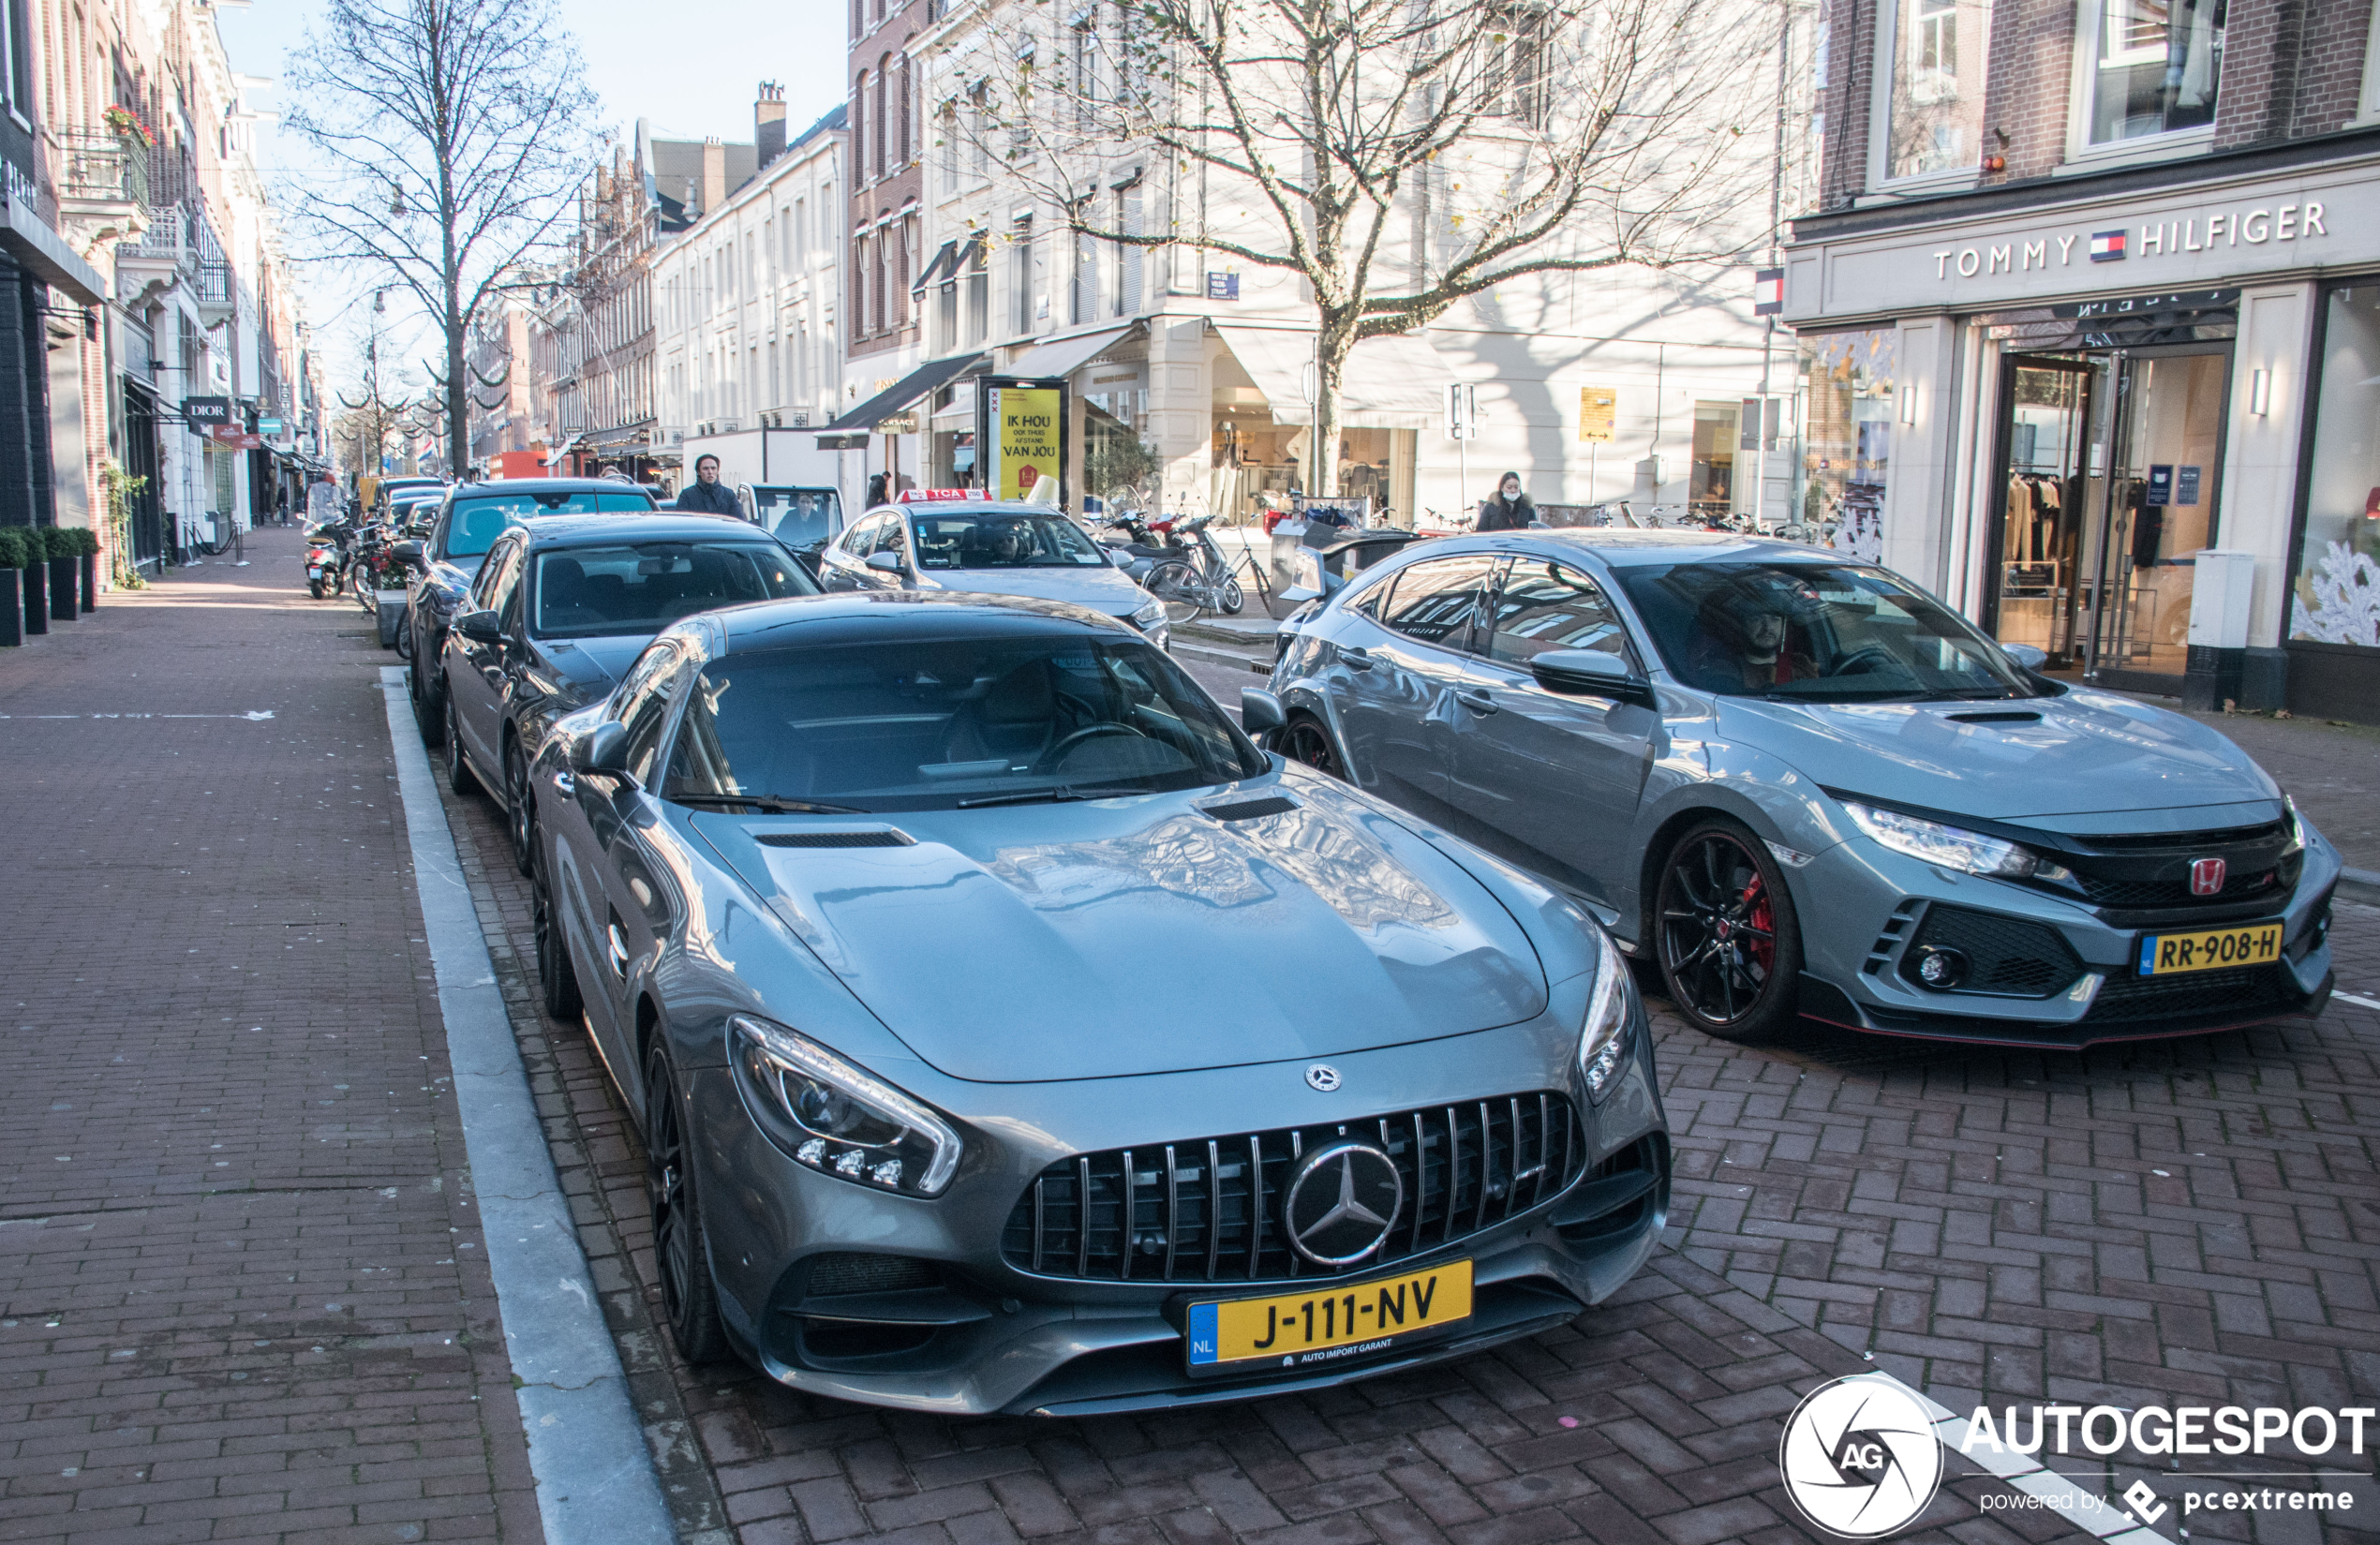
(899, 397)
(1065, 356)
(1395, 383)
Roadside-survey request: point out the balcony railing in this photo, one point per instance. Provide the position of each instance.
(101, 167)
(212, 283)
(167, 240)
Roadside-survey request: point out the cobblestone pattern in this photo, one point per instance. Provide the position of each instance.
(241, 1284)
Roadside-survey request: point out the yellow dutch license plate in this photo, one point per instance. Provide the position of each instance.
(2210, 949)
(1327, 1323)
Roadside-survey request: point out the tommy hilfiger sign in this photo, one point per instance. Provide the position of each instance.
(2162, 238)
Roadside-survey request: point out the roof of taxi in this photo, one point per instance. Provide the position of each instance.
(593, 528)
(885, 617)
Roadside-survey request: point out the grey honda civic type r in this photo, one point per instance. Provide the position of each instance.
(1009, 1034)
(1805, 787)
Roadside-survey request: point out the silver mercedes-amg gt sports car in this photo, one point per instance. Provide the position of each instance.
(1010, 1034)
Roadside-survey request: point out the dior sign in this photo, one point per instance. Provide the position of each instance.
(2291, 222)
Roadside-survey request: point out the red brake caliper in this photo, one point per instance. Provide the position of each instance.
(1761, 951)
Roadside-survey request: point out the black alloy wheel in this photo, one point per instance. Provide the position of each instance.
(458, 766)
(1729, 944)
(556, 978)
(1304, 739)
(520, 817)
(689, 1300)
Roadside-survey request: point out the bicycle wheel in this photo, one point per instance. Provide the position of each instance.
(1176, 587)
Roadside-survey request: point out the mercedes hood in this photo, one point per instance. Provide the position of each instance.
(1100, 587)
(1096, 940)
(2047, 760)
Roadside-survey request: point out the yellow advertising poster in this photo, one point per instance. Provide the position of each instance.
(1028, 422)
(1598, 406)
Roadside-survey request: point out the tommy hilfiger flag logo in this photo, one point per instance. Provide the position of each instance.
(2106, 246)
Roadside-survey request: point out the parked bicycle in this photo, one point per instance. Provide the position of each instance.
(1201, 579)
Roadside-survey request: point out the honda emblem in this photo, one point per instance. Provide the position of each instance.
(2206, 876)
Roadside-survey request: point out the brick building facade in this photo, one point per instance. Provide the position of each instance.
(2091, 294)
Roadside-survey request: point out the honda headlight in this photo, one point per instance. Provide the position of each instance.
(1955, 848)
(2297, 827)
(1603, 1039)
(1306, 570)
(838, 1119)
(1151, 612)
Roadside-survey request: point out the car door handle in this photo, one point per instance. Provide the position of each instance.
(1478, 702)
(1357, 658)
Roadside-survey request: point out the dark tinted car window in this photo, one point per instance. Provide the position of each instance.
(474, 524)
(644, 586)
(935, 724)
(1818, 632)
(1434, 602)
(1544, 606)
(1002, 539)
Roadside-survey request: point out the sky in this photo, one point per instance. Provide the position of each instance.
(691, 66)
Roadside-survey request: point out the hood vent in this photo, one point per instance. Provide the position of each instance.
(883, 839)
(1248, 809)
(2003, 717)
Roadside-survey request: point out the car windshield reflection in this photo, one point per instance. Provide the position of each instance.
(474, 524)
(1003, 540)
(951, 724)
(1814, 633)
(642, 588)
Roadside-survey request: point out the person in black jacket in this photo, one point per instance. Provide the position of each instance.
(705, 495)
(1509, 510)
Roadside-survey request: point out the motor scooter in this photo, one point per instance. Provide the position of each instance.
(326, 557)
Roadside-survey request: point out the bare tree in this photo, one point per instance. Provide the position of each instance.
(455, 132)
(368, 419)
(1397, 155)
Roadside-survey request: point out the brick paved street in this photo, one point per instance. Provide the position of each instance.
(2177, 1221)
(240, 1291)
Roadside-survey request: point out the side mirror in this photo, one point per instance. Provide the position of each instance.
(1589, 673)
(407, 552)
(603, 751)
(2026, 656)
(1118, 557)
(884, 563)
(480, 626)
(1259, 711)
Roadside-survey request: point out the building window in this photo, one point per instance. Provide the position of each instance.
(1515, 63)
(908, 116)
(978, 292)
(858, 125)
(2151, 66)
(948, 121)
(897, 291)
(1936, 119)
(1847, 446)
(978, 128)
(1082, 67)
(1084, 304)
(2336, 596)
(882, 106)
(947, 318)
(1128, 256)
(1021, 281)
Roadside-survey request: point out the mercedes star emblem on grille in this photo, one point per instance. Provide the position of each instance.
(1323, 1076)
(1342, 1202)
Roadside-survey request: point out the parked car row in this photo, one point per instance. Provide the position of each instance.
(854, 891)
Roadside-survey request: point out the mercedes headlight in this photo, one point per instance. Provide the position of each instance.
(1306, 570)
(838, 1119)
(1151, 612)
(1603, 1040)
(1955, 848)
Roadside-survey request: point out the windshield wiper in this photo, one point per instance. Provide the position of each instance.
(766, 804)
(1056, 794)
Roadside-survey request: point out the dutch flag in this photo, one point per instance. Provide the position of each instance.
(2107, 246)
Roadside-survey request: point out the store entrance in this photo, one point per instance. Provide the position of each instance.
(2109, 463)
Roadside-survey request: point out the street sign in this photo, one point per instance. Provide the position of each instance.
(843, 442)
(231, 436)
(1599, 412)
(1223, 285)
(1461, 412)
(268, 426)
(201, 413)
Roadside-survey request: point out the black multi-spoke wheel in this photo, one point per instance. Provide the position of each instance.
(458, 766)
(556, 978)
(519, 816)
(687, 1299)
(1729, 947)
(1304, 739)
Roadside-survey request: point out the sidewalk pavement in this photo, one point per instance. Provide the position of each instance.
(242, 1282)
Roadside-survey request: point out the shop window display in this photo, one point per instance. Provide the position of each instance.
(1850, 379)
(2336, 596)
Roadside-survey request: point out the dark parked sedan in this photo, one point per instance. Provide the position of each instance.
(883, 908)
(448, 560)
(561, 607)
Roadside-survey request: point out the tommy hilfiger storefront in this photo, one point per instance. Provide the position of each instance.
(2077, 387)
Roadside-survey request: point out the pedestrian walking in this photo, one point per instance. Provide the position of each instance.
(705, 495)
(281, 503)
(1509, 510)
(875, 491)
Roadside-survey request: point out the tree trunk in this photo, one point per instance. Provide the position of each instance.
(1333, 343)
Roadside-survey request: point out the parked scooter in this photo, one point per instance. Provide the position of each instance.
(1143, 549)
(326, 557)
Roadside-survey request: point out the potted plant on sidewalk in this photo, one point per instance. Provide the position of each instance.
(35, 580)
(86, 542)
(64, 560)
(12, 558)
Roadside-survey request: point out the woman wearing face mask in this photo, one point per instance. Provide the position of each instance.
(1509, 510)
